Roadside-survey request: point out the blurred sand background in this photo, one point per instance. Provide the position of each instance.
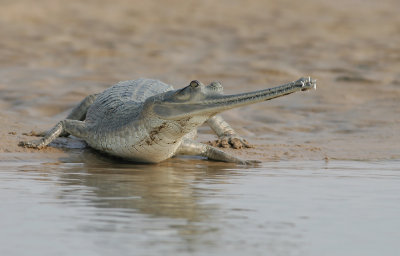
(53, 53)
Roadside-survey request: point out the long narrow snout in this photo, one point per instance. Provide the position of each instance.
(217, 103)
(224, 102)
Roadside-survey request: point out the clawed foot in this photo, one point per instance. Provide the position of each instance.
(31, 144)
(231, 141)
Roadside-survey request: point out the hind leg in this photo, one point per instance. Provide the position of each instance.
(74, 127)
(227, 137)
(77, 113)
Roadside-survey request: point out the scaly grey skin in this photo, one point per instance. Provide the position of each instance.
(148, 121)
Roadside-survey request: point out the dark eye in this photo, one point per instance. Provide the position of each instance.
(194, 84)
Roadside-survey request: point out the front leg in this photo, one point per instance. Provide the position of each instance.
(190, 147)
(227, 137)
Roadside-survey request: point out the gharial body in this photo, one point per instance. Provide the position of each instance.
(146, 120)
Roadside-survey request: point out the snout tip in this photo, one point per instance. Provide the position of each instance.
(308, 83)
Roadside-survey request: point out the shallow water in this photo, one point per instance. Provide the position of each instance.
(91, 205)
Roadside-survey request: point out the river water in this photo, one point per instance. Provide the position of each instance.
(87, 204)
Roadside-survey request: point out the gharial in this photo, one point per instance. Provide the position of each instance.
(147, 121)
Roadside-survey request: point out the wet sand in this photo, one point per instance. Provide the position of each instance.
(53, 54)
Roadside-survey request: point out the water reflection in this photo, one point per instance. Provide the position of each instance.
(169, 200)
(199, 207)
(164, 190)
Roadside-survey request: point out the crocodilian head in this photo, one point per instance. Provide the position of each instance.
(206, 101)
